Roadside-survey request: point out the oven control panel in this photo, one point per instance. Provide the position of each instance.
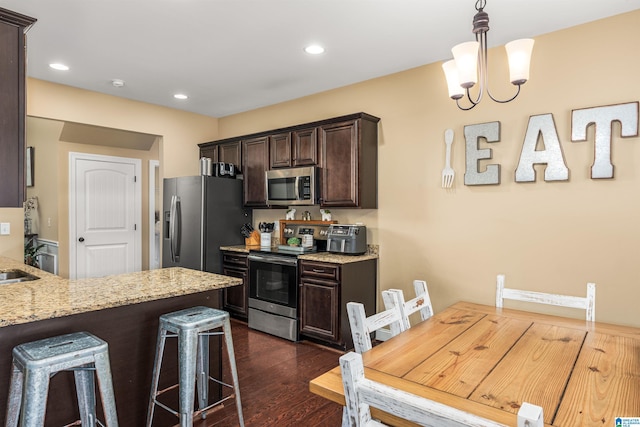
(319, 232)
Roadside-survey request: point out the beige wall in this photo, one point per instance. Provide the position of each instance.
(547, 236)
(43, 135)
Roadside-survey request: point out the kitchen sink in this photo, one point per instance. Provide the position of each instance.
(15, 276)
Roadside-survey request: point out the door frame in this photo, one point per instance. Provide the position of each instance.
(137, 164)
(154, 172)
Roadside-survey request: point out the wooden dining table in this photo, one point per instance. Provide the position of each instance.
(488, 361)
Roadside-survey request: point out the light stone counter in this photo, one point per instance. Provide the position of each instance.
(372, 253)
(52, 296)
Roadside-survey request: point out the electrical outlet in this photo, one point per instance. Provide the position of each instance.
(5, 228)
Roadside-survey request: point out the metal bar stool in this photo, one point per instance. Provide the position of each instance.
(193, 326)
(36, 362)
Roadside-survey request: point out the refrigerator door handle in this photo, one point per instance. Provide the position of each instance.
(174, 228)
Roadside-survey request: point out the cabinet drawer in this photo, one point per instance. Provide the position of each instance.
(320, 270)
(234, 259)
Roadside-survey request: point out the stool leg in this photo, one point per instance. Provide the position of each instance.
(187, 355)
(202, 372)
(36, 386)
(105, 385)
(232, 363)
(162, 335)
(86, 392)
(15, 397)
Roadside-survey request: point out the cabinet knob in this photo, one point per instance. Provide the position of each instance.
(81, 239)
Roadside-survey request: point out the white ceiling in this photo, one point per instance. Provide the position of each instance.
(231, 56)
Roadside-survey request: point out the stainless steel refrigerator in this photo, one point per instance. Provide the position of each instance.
(200, 214)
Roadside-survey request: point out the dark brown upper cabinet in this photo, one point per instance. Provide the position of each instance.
(13, 27)
(345, 149)
(305, 147)
(280, 149)
(255, 161)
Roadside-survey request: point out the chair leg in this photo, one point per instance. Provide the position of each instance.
(86, 392)
(187, 349)
(156, 374)
(202, 372)
(36, 386)
(105, 385)
(232, 363)
(15, 397)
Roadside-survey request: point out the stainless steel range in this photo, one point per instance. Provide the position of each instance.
(273, 283)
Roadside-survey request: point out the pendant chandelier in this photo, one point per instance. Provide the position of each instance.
(470, 63)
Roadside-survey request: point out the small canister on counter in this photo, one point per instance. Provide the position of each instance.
(265, 240)
(206, 166)
(307, 240)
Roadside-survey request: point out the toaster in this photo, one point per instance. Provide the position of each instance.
(347, 239)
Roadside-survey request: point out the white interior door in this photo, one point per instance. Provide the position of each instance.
(104, 215)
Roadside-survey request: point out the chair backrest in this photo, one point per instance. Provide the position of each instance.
(361, 393)
(362, 326)
(587, 303)
(421, 302)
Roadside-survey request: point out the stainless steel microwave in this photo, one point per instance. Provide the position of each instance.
(293, 186)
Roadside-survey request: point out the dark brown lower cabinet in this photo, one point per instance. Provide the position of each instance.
(325, 290)
(236, 298)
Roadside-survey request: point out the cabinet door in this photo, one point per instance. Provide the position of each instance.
(319, 305)
(210, 151)
(339, 163)
(236, 298)
(280, 147)
(12, 108)
(305, 147)
(230, 152)
(255, 160)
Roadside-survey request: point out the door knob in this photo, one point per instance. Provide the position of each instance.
(81, 239)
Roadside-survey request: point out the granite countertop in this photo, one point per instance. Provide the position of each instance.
(316, 256)
(52, 296)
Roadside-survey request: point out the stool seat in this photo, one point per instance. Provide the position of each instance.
(193, 327)
(37, 361)
(200, 318)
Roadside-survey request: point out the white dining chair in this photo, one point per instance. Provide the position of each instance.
(361, 393)
(421, 302)
(362, 326)
(587, 303)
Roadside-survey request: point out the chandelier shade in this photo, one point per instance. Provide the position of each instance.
(519, 54)
(470, 64)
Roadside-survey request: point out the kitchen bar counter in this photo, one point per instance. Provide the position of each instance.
(123, 310)
(52, 296)
(317, 256)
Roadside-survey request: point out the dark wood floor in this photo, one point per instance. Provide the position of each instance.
(274, 377)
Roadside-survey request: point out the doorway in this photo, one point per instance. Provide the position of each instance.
(105, 215)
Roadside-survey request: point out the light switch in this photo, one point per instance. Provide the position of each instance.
(5, 228)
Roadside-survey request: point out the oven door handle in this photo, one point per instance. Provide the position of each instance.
(274, 260)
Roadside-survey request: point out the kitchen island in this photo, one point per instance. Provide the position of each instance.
(123, 310)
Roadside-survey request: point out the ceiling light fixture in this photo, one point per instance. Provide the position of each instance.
(462, 71)
(180, 96)
(314, 49)
(58, 66)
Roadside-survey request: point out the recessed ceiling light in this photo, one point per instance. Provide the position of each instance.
(180, 96)
(58, 66)
(314, 49)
